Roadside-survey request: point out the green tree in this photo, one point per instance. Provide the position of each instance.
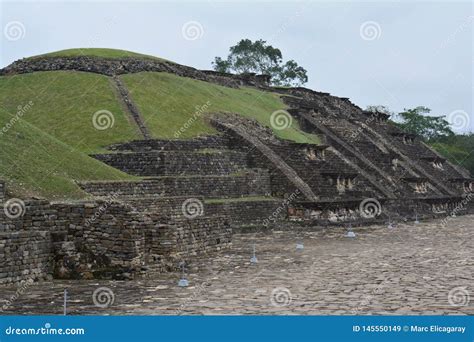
(459, 149)
(418, 122)
(259, 57)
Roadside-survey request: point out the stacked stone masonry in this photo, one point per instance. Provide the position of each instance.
(251, 183)
(2, 191)
(99, 239)
(171, 163)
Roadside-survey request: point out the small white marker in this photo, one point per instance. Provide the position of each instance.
(253, 259)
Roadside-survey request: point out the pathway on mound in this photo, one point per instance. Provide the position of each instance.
(131, 107)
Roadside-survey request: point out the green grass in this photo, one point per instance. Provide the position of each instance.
(64, 104)
(35, 163)
(167, 102)
(461, 154)
(44, 151)
(94, 52)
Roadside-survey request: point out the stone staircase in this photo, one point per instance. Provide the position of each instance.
(216, 179)
(405, 171)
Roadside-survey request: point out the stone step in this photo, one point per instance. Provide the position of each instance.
(203, 142)
(156, 163)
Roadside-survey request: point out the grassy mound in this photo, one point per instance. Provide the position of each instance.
(95, 52)
(64, 104)
(47, 125)
(171, 104)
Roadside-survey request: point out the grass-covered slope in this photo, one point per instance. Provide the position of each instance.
(35, 163)
(64, 104)
(44, 149)
(168, 103)
(47, 130)
(97, 52)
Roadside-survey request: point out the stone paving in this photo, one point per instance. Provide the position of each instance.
(422, 269)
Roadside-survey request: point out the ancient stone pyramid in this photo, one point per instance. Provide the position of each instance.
(196, 192)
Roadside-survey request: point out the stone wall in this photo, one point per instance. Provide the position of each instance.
(2, 190)
(250, 183)
(100, 239)
(118, 66)
(25, 240)
(182, 238)
(176, 163)
(24, 256)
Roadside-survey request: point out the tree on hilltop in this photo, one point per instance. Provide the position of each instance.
(261, 58)
(429, 127)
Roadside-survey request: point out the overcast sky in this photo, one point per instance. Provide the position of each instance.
(400, 55)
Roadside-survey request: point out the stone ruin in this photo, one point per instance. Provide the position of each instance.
(198, 192)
